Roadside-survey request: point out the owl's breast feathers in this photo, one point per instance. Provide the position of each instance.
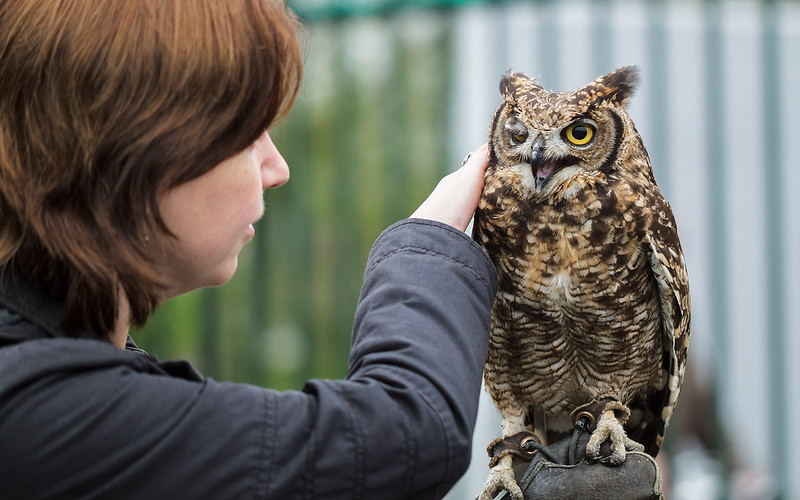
(593, 297)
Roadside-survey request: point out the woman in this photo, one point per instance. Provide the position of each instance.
(133, 160)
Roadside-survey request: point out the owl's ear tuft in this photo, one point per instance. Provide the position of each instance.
(617, 86)
(510, 83)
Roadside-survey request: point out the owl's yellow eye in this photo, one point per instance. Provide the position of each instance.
(579, 134)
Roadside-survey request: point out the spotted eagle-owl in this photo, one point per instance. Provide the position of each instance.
(593, 303)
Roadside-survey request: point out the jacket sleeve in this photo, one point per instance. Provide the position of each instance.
(104, 423)
(400, 425)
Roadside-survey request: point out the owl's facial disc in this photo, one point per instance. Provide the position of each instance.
(545, 162)
(529, 145)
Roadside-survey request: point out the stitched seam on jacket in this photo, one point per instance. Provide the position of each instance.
(264, 461)
(311, 454)
(411, 451)
(426, 251)
(436, 412)
(359, 453)
(438, 225)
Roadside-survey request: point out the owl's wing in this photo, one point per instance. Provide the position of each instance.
(482, 231)
(669, 271)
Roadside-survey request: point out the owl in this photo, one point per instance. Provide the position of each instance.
(593, 302)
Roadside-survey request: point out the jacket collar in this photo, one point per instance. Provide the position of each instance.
(29, 314)
(22, 301)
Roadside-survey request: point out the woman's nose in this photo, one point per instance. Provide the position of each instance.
(274, 169)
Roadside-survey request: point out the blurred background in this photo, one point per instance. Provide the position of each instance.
(397, 92)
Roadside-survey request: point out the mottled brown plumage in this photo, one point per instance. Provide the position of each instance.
(594, 297)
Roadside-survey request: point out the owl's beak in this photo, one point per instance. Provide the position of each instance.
(544, 168)
(537, 149)
(535, 161)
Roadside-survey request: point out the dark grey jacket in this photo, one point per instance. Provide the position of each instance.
(82, 419)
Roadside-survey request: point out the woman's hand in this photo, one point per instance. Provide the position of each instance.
(455, 198)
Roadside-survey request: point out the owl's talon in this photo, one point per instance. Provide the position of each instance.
(501, 477)
(610, 428)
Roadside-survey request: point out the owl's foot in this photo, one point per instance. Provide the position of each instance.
(609, 427)
(501, 477)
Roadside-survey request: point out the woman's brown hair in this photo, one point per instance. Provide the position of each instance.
(107, 104)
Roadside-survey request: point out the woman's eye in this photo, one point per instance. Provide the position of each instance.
(519, 138)
(579, 134)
